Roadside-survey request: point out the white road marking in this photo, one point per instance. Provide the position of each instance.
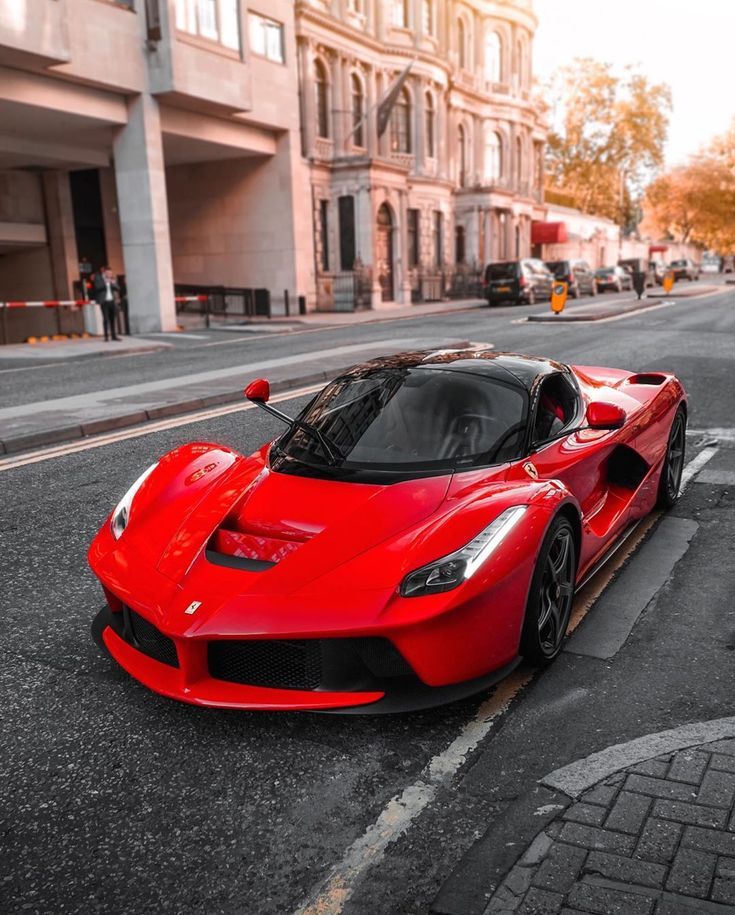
(175, 333)
(398, 814)
(696, 464)
(721, 434)
(99, 441)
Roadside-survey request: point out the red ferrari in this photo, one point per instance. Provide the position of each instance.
(419, 528)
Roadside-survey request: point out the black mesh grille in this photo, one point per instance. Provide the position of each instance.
(381, 657)
(151, 641)
(277, 664)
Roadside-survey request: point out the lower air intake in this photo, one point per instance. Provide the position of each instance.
(277, 664)
(150, 640)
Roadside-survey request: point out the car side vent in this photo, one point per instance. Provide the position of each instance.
(653, 378)
(626, 468)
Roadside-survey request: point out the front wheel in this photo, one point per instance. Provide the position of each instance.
(670, 482)
(550, 597)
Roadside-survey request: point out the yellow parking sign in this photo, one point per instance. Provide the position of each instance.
(559, 296)
(668, 282)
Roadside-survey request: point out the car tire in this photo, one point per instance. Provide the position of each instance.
(550, 595)
(574, 291)
(673, 466)
(531, 297)
(618, 286)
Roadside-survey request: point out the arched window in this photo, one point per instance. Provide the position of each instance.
(462, 156)
(358, 111)
(493, 156)
(493, 58)
(427, 17)
(322, 99)
(429, 127)
(400, 124)
(461, 44)
(400, 13)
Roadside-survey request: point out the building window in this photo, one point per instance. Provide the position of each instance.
(459, 245)
(438, 237)
(520, 62)
(324, 232)
(266, 38)
(493, 156)
(493, 58)
(400, 124)
(216, 20)
(461, 44)
(427, 17)
(400, 13)
(322, 99)
(462, 156)
(346, 232)
(413, 237)
(430, 118)
(356, 6)
(358, 112)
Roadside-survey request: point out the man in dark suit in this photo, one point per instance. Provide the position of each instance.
(105, 292)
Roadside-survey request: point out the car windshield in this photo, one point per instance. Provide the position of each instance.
(558, 268)
(678, 263)
(603, 271)
(417, 418)
(506, 271)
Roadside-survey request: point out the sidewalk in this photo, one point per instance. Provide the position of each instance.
(656, 836)
(82, 348)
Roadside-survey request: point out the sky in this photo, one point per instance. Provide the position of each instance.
(689, 44)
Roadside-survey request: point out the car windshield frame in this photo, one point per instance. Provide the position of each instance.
(288, 455)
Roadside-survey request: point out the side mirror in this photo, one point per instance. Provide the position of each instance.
(259, 391)
(605, 415)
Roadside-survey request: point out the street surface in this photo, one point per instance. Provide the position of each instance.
(117, 800)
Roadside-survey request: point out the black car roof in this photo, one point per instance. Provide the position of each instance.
(524, 371)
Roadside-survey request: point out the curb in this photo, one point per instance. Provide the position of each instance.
(492, 859)
(77, 357)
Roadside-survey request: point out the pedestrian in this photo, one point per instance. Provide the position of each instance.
(105, 291)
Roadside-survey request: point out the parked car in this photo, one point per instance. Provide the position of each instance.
(578, 274)
(728, 263)
(684, 269)
(522, 282)
(615, 278)
(635, 265)
(711, 263)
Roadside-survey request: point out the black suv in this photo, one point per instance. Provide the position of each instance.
(577, 274)
(521, 282)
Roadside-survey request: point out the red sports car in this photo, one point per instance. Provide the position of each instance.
(415, 531)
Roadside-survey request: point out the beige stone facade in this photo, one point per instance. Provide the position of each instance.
(456, 178)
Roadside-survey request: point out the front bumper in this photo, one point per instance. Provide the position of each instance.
(346, 675)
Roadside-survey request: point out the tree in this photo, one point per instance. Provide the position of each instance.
(607, 138)
(696, 202)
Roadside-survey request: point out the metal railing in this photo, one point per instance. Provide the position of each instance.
(222, 303)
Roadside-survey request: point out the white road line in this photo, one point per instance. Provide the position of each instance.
(721, 434)
(696, 464)
(99, 441)
(398, 814)
(175, 333)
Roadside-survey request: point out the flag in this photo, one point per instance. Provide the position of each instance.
(386, 106)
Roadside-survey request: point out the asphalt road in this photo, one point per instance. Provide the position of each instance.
(116, 800)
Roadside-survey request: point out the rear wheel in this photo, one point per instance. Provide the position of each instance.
(670, 482)
(551, 594)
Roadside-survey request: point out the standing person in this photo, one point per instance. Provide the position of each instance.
(105, 290)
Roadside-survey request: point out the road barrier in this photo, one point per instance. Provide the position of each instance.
(22, 320)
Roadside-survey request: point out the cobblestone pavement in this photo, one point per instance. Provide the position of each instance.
(657, 838)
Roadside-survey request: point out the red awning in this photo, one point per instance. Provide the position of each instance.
(548, 233)
(657, 249)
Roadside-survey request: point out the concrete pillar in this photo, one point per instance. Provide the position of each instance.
(370, 124)
(141, 192)
(419, 126)
(308, 101)
(338, 104)
(60, 233)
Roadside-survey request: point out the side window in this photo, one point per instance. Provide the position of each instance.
(556, 407)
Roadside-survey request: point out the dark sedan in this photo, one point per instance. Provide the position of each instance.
(615, 278)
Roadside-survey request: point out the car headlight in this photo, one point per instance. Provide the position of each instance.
(121, 515)
(450, 571)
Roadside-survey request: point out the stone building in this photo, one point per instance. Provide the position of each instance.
(456, 178)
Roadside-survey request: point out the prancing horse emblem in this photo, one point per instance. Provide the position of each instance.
(531, 470)
(193, 607)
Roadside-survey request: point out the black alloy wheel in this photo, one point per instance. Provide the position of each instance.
(673, 467)
(551, 595)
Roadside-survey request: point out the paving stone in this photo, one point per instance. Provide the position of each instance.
(590, 814)
(722, 762)
(724, 891)
(561, 868)
(722, 746)
(659, 787)
(626, 870)
(629, 813)
(695, 814)
(709, 840)
(718, 789)
(726, 867)
(600, 839)
(605, 794)
(658, 841)
(609, 902)
(692, 873)
(688, 766)
(672, 904)
(537, 850)
(655, 767)
(541, 902)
